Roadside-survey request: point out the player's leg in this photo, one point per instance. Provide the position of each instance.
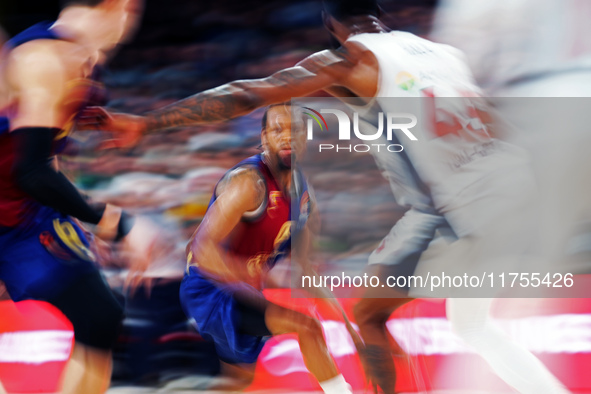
(502, 202)
(397, 255)
(371, 315)
(259, 317)
(250, 306)
(96, 316)
(46, 264)
(236, 330)
(233, 377)
(512, 363)
(317, 358)
(87, 371)
(237, 317)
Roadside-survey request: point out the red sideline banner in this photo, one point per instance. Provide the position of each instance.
(558, 331)
(36, 342)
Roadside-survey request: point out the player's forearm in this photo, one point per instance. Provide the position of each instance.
(208, 256)
(322, 292)
(35, 175)
(215, 105)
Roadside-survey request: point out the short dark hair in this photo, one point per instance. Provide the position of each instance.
(344, 9)
(264, 120)
(87, 3)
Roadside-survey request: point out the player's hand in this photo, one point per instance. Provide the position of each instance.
(125, 129)
(102, 251)
(142, 246)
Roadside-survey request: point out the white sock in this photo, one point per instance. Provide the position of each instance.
(336, 385)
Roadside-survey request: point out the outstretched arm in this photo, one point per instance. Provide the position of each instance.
(241, 97)
(228, 101)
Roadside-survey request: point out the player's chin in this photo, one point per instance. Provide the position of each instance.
(286, 158)
(285, 164)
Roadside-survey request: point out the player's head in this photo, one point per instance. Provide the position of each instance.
(344, 18)
(283, 134)
(86, 3)
(107, 22)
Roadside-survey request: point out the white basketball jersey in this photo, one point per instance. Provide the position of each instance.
(453, 149)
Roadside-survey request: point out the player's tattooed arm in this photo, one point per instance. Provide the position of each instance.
(238, 98)
(214, 105)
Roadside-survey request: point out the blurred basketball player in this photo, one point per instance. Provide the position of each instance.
(454, 174)
(45, 254)
(522, 51)
(246, 230)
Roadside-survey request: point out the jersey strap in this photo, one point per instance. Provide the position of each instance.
(298, 215)
(253, 161)
(39, 31)
(301, 203)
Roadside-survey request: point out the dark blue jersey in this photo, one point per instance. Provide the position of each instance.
(266, 237)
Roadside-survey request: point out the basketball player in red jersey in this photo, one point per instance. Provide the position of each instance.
(246, 230)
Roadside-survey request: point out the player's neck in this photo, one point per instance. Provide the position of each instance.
(73, 24)
(282, 175)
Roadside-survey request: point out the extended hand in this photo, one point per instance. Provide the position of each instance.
(142, 246)
(125, 129)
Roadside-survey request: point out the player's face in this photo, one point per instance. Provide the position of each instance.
(284, 137)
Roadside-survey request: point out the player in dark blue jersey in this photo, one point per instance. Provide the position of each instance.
(44, 252)
(246, 229)
(358, 70)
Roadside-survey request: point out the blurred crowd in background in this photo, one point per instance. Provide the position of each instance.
(184, 47)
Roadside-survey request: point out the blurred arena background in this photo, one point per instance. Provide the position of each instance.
(186, 46)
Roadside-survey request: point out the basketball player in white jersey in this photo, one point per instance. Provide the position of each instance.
(521, 51)
(454, 173)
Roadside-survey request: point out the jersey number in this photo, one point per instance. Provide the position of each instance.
(67, 233)
(453, 115)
